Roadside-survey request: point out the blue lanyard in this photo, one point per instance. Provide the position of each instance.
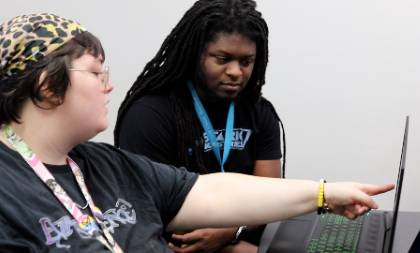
(208, 127)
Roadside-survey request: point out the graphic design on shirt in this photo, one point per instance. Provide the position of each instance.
(60, 230)
(239, 140)
(123, 213)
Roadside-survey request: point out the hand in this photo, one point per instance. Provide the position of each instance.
(352, 199)
(241, 247)
(203, 240)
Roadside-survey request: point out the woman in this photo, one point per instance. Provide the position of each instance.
(60, 193)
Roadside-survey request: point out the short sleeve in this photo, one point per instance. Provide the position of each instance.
(267, 132)
(158, 188)
(168, 185)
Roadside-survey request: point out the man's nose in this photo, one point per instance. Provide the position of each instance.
(233, 69)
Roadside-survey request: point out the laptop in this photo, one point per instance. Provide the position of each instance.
(373, 232)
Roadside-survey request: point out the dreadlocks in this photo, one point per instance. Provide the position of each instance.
(178, 61)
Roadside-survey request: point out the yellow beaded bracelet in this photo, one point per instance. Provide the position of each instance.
(321, 205)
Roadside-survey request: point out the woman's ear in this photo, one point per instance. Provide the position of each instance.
(42, 77)
(47, 95)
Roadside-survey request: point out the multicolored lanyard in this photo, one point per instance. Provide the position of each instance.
(85, 221)
(208, 127)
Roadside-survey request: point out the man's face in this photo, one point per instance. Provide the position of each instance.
(226, 66)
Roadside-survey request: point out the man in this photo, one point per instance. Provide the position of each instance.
(218, 51)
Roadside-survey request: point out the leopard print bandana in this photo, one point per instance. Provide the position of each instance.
(28, 38)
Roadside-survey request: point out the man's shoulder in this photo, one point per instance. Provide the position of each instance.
(264, 103)
(149, 105)
(264, 107)
(153, 101)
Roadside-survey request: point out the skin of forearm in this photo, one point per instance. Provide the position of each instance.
(230, 199)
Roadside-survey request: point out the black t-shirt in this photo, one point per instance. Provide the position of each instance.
(137, 196)
(148, 128)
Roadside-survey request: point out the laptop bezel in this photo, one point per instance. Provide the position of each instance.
(398, 187)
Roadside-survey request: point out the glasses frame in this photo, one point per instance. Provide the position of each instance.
(104, 73)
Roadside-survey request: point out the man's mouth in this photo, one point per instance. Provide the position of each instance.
(231, 86)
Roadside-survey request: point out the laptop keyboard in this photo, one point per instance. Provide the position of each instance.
(336, 234)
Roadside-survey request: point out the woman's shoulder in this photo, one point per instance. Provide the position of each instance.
(91, 146)
(104, 155)
(94, 150)
(120, 161)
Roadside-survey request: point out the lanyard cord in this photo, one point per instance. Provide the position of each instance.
(206, 124)
(85, 221)
(208, 127)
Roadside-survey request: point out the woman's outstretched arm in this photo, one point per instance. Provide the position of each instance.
(230, 199)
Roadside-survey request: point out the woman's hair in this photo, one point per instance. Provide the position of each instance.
(178, 60)
(16, 90)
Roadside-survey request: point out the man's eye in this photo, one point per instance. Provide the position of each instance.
(222, 59)
(247, 62)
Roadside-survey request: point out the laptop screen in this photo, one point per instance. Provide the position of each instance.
(399, 185)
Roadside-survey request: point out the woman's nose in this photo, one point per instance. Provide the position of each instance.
(109, 87)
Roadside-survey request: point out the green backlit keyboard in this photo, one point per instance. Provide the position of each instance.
(336, 234)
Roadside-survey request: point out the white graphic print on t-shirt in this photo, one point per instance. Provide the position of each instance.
(239, 140)
(60, 230)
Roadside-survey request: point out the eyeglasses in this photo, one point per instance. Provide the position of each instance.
(104, 74)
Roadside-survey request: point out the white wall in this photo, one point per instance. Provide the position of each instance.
(342, 75)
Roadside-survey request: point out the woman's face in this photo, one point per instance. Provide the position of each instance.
(87, 96)
(226, 65)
